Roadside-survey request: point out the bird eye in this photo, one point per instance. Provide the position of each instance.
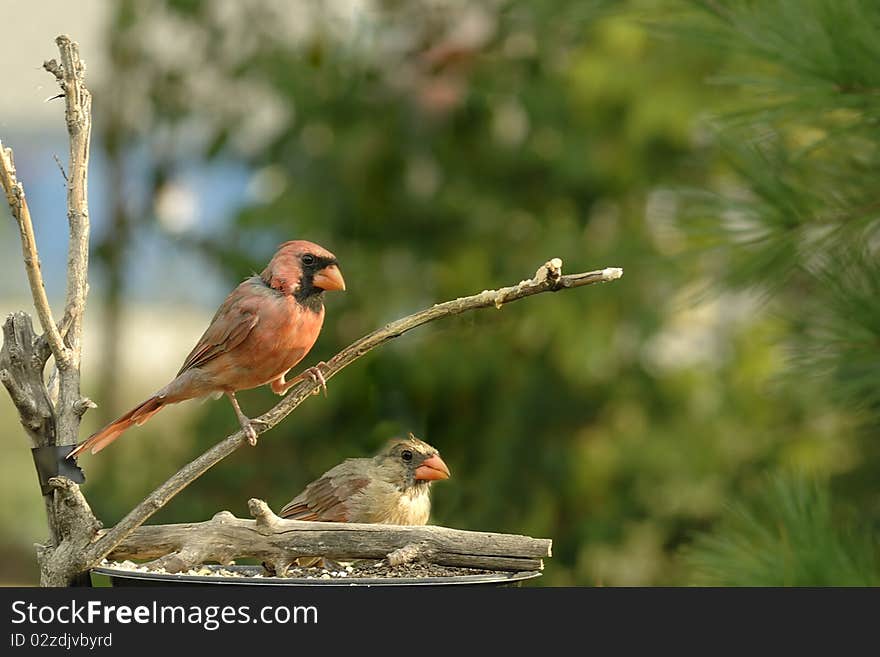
(308, 259)
(406, 455)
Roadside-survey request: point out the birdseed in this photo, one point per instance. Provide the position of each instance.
(353, 570)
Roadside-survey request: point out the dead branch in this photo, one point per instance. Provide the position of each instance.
(21, 213)
(78, 113)
(59, 564)
(278, 543)
(21, 371)
(64, 338)
(51, 421)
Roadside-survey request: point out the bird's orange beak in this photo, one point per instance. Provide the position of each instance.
(432, 468)
(329, 278)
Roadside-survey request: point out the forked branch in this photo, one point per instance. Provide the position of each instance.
(52, 420)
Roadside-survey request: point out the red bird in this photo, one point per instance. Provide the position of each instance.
(264, 327)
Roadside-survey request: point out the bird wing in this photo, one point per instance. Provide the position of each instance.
(232, 323)
(327, 499)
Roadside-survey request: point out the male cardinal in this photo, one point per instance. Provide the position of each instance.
(391, 488)
(263, 328)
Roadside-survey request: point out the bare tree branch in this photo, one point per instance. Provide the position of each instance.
(62, 561)
(21, 371)
(60, 166)
(51, 419)
(548, 278)
(18, 205)
(69, 73)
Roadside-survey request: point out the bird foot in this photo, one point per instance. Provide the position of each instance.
(250, 433)
(317, 376)
(247, 425)
(329, 564)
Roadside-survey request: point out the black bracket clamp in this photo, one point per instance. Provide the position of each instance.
(51, 461)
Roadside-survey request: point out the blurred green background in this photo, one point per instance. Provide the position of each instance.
(707, 419)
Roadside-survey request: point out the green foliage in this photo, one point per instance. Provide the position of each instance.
(841, 340)
(799, 221)
(803, 141)
(810, 54)
(789, 534)
(805, 148)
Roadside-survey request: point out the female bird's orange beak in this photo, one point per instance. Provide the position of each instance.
(432, 468)
(329, 278)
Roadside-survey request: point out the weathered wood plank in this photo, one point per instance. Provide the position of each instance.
(279, 542)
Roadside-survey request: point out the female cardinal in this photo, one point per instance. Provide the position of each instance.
(391, 488)
(264, 327)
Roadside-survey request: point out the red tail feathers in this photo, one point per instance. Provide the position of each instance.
(138, 415)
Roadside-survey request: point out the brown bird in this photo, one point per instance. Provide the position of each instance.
(263, 328)
(391, 488)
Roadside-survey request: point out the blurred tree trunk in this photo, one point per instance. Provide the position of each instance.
(111, 256)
